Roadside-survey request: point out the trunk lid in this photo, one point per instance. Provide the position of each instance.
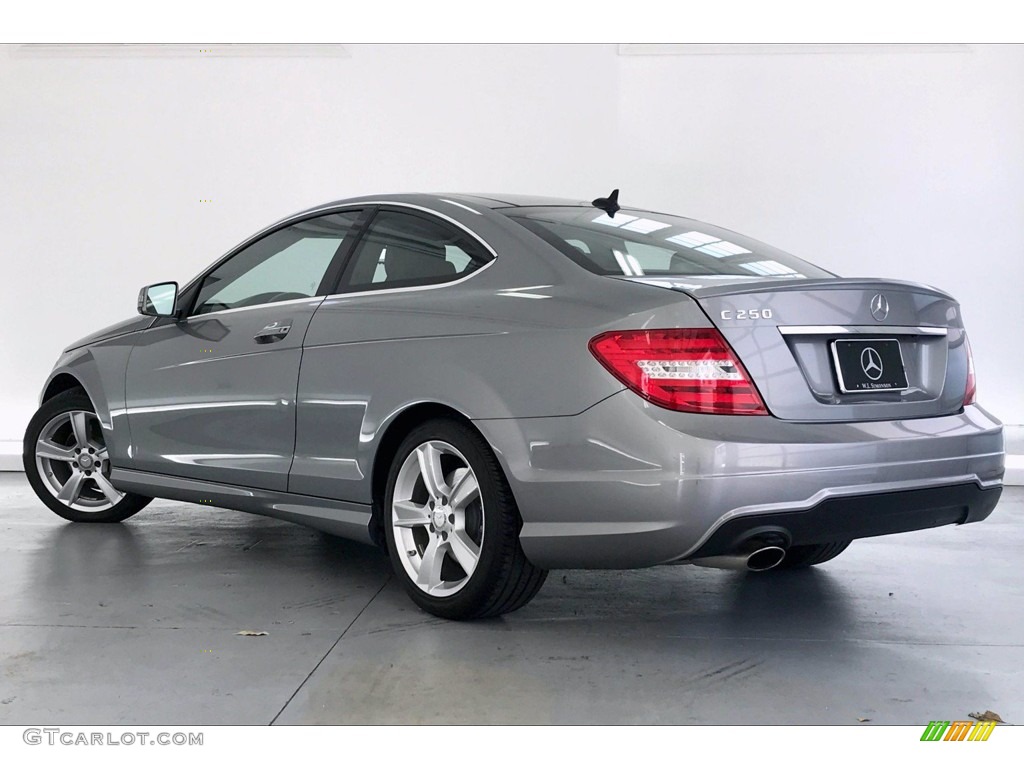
(785, 332)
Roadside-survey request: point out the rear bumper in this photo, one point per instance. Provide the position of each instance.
(627, 484)
(857, 517)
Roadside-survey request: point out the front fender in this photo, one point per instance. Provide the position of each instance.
(99, 369)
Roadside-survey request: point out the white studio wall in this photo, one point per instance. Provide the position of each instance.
(119, 171)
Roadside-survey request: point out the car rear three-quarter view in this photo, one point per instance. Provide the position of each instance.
(491, 387)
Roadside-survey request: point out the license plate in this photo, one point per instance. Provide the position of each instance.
(869, 365)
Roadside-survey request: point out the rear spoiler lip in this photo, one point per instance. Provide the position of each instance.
(778, 285)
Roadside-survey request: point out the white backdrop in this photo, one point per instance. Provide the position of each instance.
(907, 165)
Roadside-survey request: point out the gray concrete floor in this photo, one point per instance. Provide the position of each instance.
(136, 623)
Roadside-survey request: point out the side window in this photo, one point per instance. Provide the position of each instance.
(287, 264)
(403, 249)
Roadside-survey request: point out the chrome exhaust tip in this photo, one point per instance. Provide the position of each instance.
(765, 558)
(761, 557)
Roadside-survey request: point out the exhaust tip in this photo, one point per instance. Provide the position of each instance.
(765, 558)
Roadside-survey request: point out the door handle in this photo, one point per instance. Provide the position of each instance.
(273, 332)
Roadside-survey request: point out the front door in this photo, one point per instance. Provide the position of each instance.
(211, 396)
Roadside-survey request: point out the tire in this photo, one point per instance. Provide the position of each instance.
(65, 459)
(456, 550)
(811, 554)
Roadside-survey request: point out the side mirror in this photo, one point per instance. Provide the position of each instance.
(159, 300)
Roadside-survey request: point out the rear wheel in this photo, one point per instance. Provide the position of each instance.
(812, 554)
(67, 465)
(452, 526)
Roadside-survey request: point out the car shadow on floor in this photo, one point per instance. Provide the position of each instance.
(134, 558)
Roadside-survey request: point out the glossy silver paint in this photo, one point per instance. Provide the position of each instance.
(628, 484)
(209, 402)
(197, 410)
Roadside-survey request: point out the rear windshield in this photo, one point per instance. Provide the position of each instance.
(636, 243)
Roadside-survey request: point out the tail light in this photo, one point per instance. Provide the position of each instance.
(972, 387)
(684, 369)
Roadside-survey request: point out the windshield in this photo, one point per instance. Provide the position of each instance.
(636, 243)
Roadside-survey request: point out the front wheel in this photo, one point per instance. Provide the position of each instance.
(452, 526)
(67, 465)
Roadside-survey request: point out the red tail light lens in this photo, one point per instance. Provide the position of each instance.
(972, 387)
(684, 369)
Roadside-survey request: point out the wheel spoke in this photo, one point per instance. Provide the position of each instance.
(409, 514)
(47, 449)
(429, 575)
(430, 469)
(432, 489)
(113, 495)
(72, 488)
(82, 484)
(464, 489)
(464, 550)
(80, 427)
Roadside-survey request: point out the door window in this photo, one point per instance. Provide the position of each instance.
(289, 263)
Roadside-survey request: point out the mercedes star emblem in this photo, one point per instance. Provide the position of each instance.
(879, 307)
(871, 363)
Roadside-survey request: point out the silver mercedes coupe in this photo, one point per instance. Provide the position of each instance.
(490, 387)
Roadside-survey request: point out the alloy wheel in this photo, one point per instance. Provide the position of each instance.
(71, 458)
(437, 518)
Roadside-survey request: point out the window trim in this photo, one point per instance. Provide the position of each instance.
(216, 313)
(343, 287)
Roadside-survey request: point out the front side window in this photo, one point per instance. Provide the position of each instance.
(639, 243)
(289, 263)
(403, 249)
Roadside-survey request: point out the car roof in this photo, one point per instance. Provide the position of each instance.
(492, 201)
(500, 200)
